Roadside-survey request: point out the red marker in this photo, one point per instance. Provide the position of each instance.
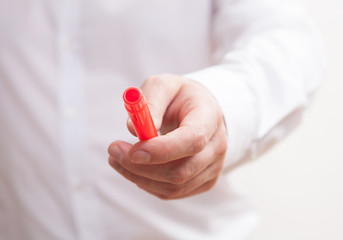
(137, 108)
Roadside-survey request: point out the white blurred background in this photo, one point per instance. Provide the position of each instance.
(297, 187)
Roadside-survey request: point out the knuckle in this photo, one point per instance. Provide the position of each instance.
(199, 141)
(210, 185)
(173, 191)
(222, 147)
(160, 195)
(182, 174)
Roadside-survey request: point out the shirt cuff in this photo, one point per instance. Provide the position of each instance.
(238, 103)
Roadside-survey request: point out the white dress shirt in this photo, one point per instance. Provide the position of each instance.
(64, 65)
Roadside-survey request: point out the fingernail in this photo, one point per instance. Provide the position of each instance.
(129, 121)
(116, 153)
(140, 157)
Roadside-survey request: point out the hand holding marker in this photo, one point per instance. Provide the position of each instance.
(137, 108)
(161, 166)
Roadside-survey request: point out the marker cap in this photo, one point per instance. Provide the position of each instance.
(137, 108)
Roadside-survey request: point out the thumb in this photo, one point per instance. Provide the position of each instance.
(159, 92)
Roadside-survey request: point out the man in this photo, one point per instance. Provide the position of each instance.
(241, 73)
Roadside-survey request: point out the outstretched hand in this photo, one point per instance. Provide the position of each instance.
(188, 157)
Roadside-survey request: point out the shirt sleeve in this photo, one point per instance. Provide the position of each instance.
(267, 61)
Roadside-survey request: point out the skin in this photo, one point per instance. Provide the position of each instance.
(188, 157)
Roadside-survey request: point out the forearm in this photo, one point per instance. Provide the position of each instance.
(268, 60)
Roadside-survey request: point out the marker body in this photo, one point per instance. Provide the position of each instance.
(137, 108)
